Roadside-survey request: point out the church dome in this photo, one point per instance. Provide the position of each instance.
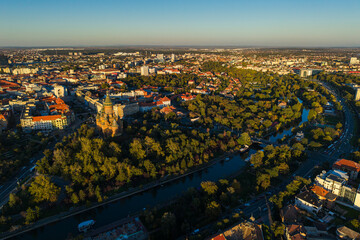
(108, 100)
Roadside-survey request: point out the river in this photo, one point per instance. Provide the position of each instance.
(120, 209)
(304, 118)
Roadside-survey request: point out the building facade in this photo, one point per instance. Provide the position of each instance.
(308, 201)
(350, 167)
(123, 110)
(107, 121)
(336, 182)
(57, 116)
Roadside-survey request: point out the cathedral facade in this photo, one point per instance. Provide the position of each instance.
(107, 121)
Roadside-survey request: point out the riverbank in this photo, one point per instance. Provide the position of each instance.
(114, 198)
(134, 200)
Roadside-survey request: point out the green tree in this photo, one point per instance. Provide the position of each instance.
(355, 224)
(263, 180)
(82, 195)
(213, 209)
(74, 198)
(13, 199)
(168, 224)
(98, 194)
(312, 115)
(236, 186)
(278, 229)
(284, 168)
(224, 198)
(267, 123)
(209, 187)
(244, 139)
(224, 182)
(32, 215)
(137, 150)
(257, 159)
(42, 189)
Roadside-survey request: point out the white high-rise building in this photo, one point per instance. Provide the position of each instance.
(144, 71)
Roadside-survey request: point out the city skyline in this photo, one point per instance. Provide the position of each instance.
(159, 23)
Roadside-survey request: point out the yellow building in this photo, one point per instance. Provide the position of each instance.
(107, 121)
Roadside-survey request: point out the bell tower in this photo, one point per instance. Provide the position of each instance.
(108, 106)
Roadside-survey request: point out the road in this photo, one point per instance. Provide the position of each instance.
(339, 148)
(26, 171)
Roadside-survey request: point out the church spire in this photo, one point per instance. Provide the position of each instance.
(107, 99)
(106, 120)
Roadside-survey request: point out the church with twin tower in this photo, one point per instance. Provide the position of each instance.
(107, 121)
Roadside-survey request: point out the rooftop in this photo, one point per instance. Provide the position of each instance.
(344, 163)
(335, 175)
(310, 197)
(321, 192)
(129, 228)
(347, 233)
(46, 118)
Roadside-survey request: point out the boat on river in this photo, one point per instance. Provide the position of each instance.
(84, 226)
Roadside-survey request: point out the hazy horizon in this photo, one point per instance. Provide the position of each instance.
(260, 23)
(178, 46)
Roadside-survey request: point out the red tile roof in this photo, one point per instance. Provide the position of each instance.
(167, 110)
(46, 118)
(219, 237)
(165, 99)
(59, 107)
(351, 165)
(319, 191)
(7, 84)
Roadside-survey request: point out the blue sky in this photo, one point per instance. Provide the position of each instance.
(180, 22)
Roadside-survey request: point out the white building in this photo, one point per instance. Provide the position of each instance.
(144, 71)
(332, 180)
(336, 182)
(44, 123)
(354, 61)
(60, 91)
(308, 201)
(132, 93)
(17, 71)
(33, 88)
(152, 70)
(122, 75)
